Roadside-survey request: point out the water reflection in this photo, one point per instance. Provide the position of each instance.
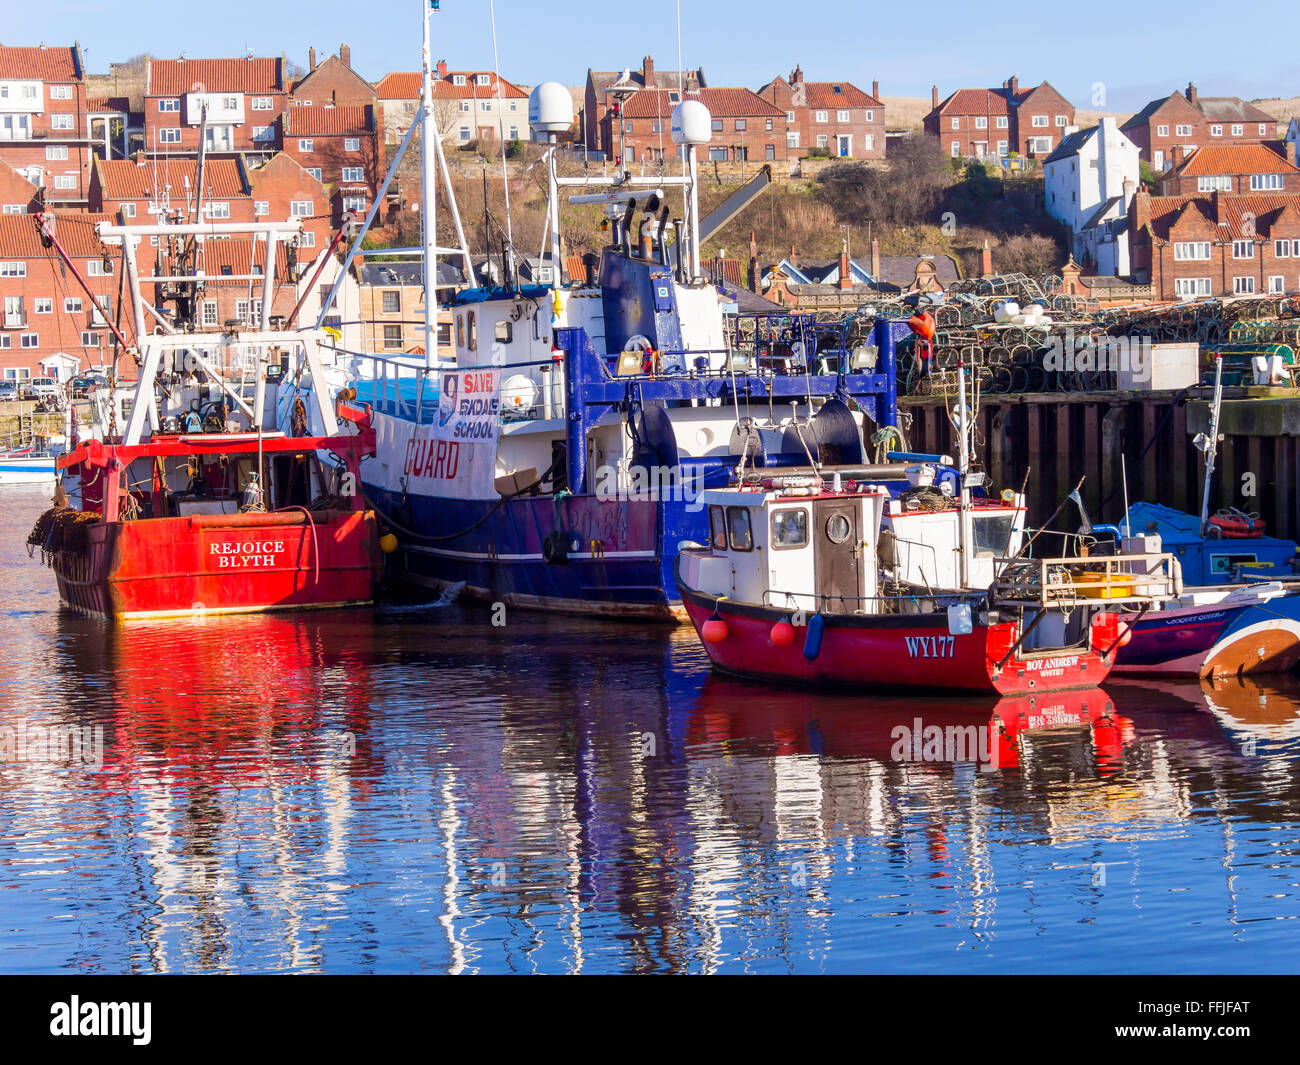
(410, 790)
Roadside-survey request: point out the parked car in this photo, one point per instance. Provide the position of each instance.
(83, 385)
(42, 388)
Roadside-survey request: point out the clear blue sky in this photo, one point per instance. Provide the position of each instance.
(1246, 48)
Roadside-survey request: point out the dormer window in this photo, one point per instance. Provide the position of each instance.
(458, 79)
(482, 79)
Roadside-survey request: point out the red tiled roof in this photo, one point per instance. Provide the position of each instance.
(1237, 218)
(822, 94)
(114, 104)
(403, 85)
(319, 120)
(123, 179)
(722, 103)
(1236, 159)
(58, 64)
(173, 77)
(238, 256)
(20, 238)
(975, 102)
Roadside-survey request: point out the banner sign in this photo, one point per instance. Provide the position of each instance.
(469, 406)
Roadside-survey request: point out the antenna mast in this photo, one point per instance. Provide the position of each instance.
(428, 198)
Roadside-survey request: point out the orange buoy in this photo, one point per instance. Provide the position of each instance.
(782, 634)
(923, 324)
(714, 630)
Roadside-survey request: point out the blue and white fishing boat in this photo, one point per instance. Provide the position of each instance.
(553, 458)
(31, 464)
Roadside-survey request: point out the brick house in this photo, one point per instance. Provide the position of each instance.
(1216, 245)
(341, 146)
(281, 188)
(992, 123)
(332, 81)
(1188, 120)
(604, 89)
(45, 317)
(17, 194)
(465, 105)
(745, 126)
(835, 115)
(1244, 169)
(42, 108)
(244, 99)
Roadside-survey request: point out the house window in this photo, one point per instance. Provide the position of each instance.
(1001, 122)
(1039, 121)
(464, 133)
(716, 125)
(1276, 283)
(1040, 144)
(65, 181)
(1282, 248)
(1182, 131)
(819, 116)
(209, 312)
(128, 210)
(89, 340)
(956, 149)
(263, 133)
(741, 125)
(1243, 286)
(60, 92)
(1002, 147)
(458, 79)
(1214, 183)
(1243, 249)
(15, 208)
(769, 125)
(301, 208)
(392, 336)
(169, 135)
(485, 106)
(30, 340)
(792, 139)
(56, 152)
(71, 304)
(314, 171)
(261, 208)
(260, 103)
(718, 154)
(981, 122)
(956, 122)
(354, 203)
(465, 106)
(1061, 120)
(868, 116)
(1238, 129)
(1216, 131)
(1263, 129)
(217, 209)
(305, 144)
(822, 140)
(789, 116)
(841, 116)
(98, 268)
(1162, 131)
(354, 173)
(43, 305)
(1265, 182)
(1189, 250)
(13, 269)
(169, 105)
(7, 342)
(482, 79)
(307, 239)
(352, 144)
(770, 152)
(392, 301)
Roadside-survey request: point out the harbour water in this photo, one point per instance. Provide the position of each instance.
(416, 789)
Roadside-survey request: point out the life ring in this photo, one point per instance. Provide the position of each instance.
(1234, 524)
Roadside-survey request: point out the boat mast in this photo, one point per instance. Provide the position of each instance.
(428, 199)
(963, 471)
(1212, 444)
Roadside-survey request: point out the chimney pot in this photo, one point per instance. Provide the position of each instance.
(311, 58)
(875, 88)
(345, 54)
(648, 71)
(934, 96)
(442, 68)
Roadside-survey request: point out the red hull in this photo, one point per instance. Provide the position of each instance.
(889, 652)
(237, 563)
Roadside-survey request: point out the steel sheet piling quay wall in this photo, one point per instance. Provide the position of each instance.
(1065, 437)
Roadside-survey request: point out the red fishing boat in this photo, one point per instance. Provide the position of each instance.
(803, 583)
(216, 496)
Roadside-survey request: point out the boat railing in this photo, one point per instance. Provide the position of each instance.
(919, 603)
(1069, 581)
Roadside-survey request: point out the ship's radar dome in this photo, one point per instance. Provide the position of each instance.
(550, 108)
(692, 123)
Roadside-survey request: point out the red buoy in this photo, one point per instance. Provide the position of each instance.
(714, 630)
(782, 634)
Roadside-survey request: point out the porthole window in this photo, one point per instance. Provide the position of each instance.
(838, 528)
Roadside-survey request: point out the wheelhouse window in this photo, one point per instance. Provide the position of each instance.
(789, 528)
(717, 529)
(739, 530)
(992, 535)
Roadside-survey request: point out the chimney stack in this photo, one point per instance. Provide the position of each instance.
(442, 68)
(1191, 93)
(797, 77)
(934, 96)
(875, 88)
(648, 71)
(1179, 156)
(1012, 84)
(345, 54)
(875, 260)
(846, 271)
(311, 58)
(986, 260)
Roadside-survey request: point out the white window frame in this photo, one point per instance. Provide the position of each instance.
(13, 268)
(306, 144)
(42, 305)
(1216, 130)
(56, 153)
(1193, 286)
(302, 208)
(1182, 131)
(1281, 249)
(1214, 183)
(1238, 129)
(89, 339)
(1276, 284)
(261, 103)
(981, 122)
(1001, 122)
(357, 173)
(1243, 249)
(1244, 285)
(169, 104)
(60, 92)
(66, 182)
(99, 268)
(29, 340)
(352, 144)
(842, 116)
(819, 116)
(169, 135)
(261, 208)
(1162, 131)
(1191, 251)
(1265, 182)
(1040, 122)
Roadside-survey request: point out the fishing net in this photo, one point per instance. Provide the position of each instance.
(61, 529)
